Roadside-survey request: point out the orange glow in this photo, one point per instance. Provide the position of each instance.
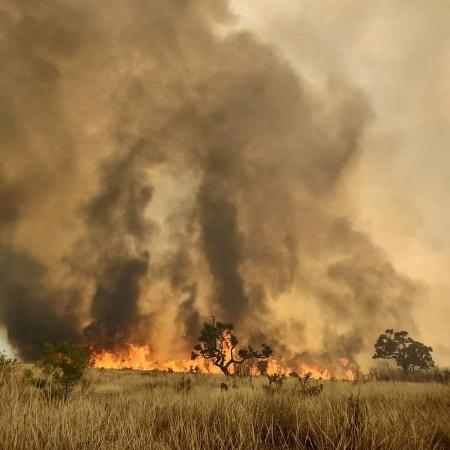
(344, 361)
(140, 358)
(349, 375)
(343, 371)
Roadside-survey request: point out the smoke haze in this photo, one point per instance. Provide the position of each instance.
(159, 164)
(398, 53)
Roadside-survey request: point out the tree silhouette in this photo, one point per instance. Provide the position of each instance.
(219, 345)
(408, 353)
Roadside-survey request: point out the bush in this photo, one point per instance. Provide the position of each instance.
(65, 363)
(308, 386)
(6, 362)
(276, 380)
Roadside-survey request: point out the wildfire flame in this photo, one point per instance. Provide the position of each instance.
(140, 358)
(349, 375)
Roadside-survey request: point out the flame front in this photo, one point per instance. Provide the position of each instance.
(140, 358)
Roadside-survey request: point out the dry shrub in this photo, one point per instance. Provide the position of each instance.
(308, 386)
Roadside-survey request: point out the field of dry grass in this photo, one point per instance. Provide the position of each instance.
(135, 410)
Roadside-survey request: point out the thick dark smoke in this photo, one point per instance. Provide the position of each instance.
(32, 313)
(188, 314)
(115, 219)
(220, 236)
(154, 171)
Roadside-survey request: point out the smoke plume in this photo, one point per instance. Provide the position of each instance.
(155, 170)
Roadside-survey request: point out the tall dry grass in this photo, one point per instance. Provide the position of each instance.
(131, 410)
(388, 373)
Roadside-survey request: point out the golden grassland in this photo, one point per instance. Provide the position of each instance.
(124, 409)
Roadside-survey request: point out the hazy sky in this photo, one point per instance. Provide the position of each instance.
(399, 54)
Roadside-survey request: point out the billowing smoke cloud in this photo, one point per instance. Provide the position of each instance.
(31, 310)
(155, 171)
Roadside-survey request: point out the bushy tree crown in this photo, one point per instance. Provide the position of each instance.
(405, 351)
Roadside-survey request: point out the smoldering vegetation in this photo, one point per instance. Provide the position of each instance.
(155, 169)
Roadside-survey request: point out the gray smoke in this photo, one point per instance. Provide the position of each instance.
(107, 110)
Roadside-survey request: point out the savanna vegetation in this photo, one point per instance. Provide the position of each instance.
(123, 409)
(63, 403)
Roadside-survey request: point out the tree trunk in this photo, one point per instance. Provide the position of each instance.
(225, 370)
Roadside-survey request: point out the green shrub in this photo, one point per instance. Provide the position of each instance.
(65, 363)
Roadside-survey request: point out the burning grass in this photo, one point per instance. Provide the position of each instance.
(141, 358)
(124, 409)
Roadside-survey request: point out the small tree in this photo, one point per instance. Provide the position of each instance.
(219, 345)
(405, 351)
(66, 363)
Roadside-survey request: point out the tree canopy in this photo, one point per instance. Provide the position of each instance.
(220, 345)
(405, 351)
(66, 363)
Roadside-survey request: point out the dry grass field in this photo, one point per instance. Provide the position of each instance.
(122, 409)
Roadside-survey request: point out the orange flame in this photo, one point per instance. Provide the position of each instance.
(349, 375)
(140, 358)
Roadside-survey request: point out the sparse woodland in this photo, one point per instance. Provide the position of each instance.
(64, 403)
